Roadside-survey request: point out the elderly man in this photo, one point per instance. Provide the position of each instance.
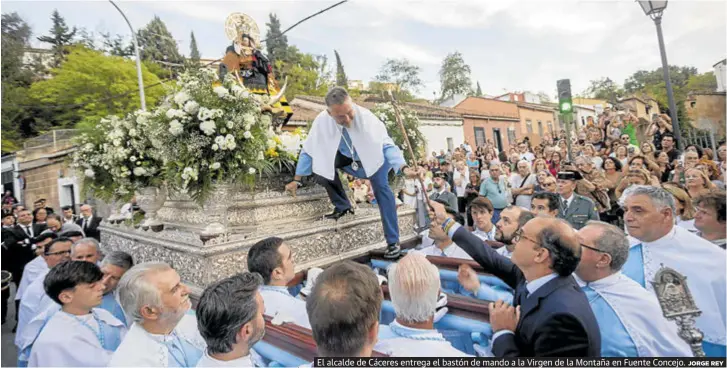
(574, 208)
(162, 333)
(631, 321)
(522, 184)
(545, 204)
(550, 315)
(34, 299)
(89, 222)
(230, 319)
(494, 188)
(86, 249)
(273, 260)
(344, 309)
(414, 287)
(114, 266)
(68, 339)
(349, 137)
(711, 216)
(657, 242)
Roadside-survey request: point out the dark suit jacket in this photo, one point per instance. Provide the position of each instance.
(91, 229)
(555, 321)
(20, 251)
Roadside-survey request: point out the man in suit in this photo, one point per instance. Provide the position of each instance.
(8, 220)
(550, 315)
(89, 222)
(68, 215)
(574, 208)
(439, 183)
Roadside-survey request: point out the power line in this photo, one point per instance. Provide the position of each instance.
(304, 19)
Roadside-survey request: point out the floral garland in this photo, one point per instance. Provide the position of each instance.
(204, 132)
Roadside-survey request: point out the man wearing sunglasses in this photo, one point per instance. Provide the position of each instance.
(632, 323)
(35, 300)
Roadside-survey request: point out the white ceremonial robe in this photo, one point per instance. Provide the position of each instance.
(396, 340)
(279, 301)
(485, 235)
(700, 261)
(34, 301)
(452, 250)
(142, 349)
(250, 360)
(31, 271)
(639, 313)
(368, 136)
(64, 342)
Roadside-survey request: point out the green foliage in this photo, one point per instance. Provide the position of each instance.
(116, 45)
(706, 82)
(652, 83)
(276, 43)
(478, 91)
(60, 37)
(341, 79)
(193, 53)
(386, 113)
(604, 89)
(93, 81)
(402, 73)
(303, 75)
(158, 45)
(15, 38)
(454, 76)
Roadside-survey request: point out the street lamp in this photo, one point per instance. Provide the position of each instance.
(655, 9)
(138, 57)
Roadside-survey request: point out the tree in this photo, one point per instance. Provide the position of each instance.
(194, 56)
(604, 89)
(116, 46)
(92, 85)
(478, 92)
(454, 76)
(705, 82)
(652, 83)
(325, 75)
(403, 74)
(60, 37)
(159, 46)
(15, 79)
(276, 43)
(303, 73)
(544, 97)
(341, 79)
(87, 39)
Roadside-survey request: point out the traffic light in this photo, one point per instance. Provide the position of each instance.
(565, 102)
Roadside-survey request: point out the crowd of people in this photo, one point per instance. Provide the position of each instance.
(580, 246)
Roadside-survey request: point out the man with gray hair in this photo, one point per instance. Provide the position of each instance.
(414, 287)
(114, 266)
(656, 242)
(631, 321)
(230, 318)
(162, 333)
(349, 137)
(86, 249)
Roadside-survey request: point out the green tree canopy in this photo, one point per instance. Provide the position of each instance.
(478, 91)
(60, 37)
(454, 76)
(604, 89)
(159, 46)
(341, 79)
(402, 73)
(194, 57)
(276, 43)
(97, 85)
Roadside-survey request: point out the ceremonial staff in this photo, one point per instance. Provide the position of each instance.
(422, 219)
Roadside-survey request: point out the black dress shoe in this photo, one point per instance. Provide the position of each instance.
(393, 251)
(335, 215)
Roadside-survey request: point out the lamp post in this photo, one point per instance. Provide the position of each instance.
(138, 57)
(655, 9)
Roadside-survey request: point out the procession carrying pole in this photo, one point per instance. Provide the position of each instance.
(400, 123)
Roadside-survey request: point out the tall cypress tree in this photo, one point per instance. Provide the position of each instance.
(193, 52)
(478, 93)
(341, 79)
(276, 43)
(60, 37)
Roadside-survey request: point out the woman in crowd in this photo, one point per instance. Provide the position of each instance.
(622, 155)
(633, 177)
(662, 159)
(590, 151)
(648, 150)
(539, 165)
(554, 164)
(540, 179)
(697, 182)
(472, 191)
(40, 216)
(660, 125)
(685, 208)
(721, 153)
(473, 162)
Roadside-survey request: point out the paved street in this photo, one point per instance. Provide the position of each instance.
(8, 353)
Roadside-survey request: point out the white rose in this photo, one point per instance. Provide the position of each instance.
(215, 147)
(175, 127)
(132, 133)
(208, 127)
(171, 113)
(247, 134)
(231, 145)
(221, 91)
(249, 119)
(191, 107)
(215, 166)
(181, 97)
(132, 158)
(230, 124)
(251, 170)
(139, 171)
(89, 173)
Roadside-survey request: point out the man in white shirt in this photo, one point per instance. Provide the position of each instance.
(443, 245)
(482, 211)
(525, 154)
(35, 300)
(79, 335)
(230, 319)
(511, 220)
(631, 321)
(273, 260)
(162, 333)
(114, 266)
(414, 287)
(522, 184)
(86, 249)
(657, 242)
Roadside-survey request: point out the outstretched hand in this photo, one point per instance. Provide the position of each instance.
(437, 212)
(291, 187)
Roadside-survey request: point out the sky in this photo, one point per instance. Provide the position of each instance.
(510, 45)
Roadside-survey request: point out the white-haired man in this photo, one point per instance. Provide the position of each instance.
(162, 334)
(414, 287)
(351, 138)
(657, 242)
(86, 249)
(631, 321)
(523, 184)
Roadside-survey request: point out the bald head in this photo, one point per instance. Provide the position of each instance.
(543, 234)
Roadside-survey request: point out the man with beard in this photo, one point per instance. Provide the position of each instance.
(230, 318)
(162, 334)
(439, 182)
